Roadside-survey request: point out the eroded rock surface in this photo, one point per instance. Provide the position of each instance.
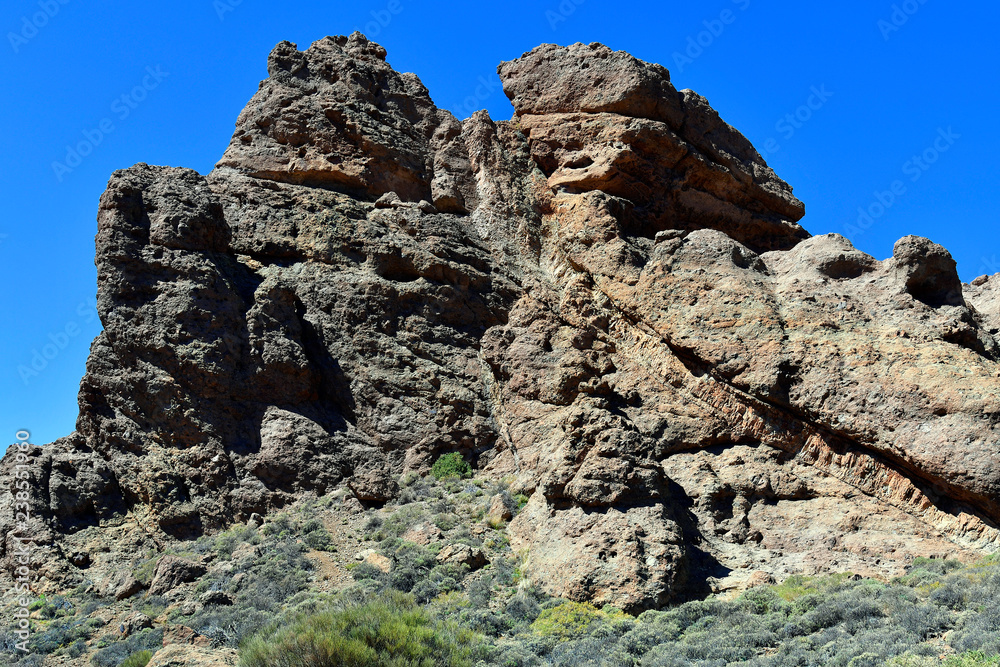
(607, 299)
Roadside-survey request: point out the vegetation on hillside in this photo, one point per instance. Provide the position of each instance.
(405, 598)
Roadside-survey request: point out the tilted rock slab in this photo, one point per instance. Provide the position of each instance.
(607, 299)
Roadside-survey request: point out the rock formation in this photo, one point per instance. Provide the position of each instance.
(607, 299)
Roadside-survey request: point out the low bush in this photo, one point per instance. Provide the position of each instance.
(117, 652)
(318, 539)
(451, 465)
(140, 659)
(227, 541)
(400, 521)
(390, 630)
(571, 619)
(62, 633)
(971, 659)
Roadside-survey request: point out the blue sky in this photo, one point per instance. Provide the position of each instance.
(887, 107)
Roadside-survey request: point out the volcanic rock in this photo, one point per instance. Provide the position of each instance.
(136, 622)
(186, 655)
(501, 509)
(172, 571)
(462, 554)
(120, 585)
(607, 300)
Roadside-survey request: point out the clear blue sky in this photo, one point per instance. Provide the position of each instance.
(889, 92)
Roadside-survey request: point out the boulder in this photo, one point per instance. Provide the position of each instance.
(184, 655)
(462, 554)
(172, 571)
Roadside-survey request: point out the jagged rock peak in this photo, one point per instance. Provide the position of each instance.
(337, 115)
(590, 78)
(598, 119)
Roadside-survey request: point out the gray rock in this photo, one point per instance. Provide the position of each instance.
(219, 598)
(120, 585)
(135, 622)
(502, 508)
(462, 554)
(172, 571)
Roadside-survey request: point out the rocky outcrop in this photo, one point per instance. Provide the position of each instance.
(607, 299)
(599, 120)
(338, 116)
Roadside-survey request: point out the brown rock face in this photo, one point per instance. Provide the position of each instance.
(183, 655)
(601, 120)
(607, 299)
(171, 572)
(338, 116)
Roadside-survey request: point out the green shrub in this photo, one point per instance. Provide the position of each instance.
(910, 660)
(365, 570)
(152, 606)
(400, 521)
(319, 539)
(228, 626)
(144, 573)
(76, 649)
(800, 585)
(936, 565)
(570, 620)
(311, 525)
(451, 465)
(971, 659)
(227, 541)
(390, 630)
(140, 659)
(279, 525)
(117, 652)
